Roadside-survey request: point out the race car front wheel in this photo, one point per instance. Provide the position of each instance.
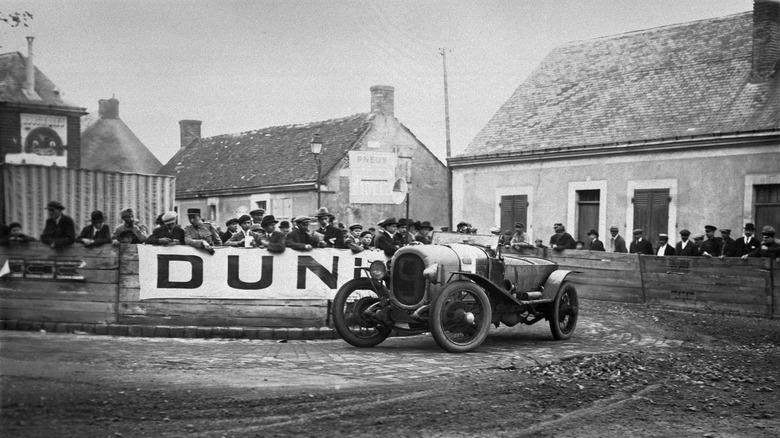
(351, 309)
(460, 317)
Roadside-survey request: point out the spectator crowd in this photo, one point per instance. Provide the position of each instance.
(253, 230)
(706, 244)
(258, 230)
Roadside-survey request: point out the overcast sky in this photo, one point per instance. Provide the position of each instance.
(246, 65)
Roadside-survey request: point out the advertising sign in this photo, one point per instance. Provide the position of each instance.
(247, 273)
(43, 141)
(372, 177)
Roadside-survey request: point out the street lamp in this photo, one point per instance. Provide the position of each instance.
(316, 149)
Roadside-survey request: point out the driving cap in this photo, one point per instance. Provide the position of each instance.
(268, 220)
(97, 216)
(698, 236)
(685, 232)
(55, 205)
(257, 211)
(231, 221)
(365, 233)
(710, 228)
(613, 228)
(169, 216)
(768, 231)
(244, 218)
(463, 224)
(299, 219)
(355, 227)
(725, 231)
(126, 213)
(638, 231)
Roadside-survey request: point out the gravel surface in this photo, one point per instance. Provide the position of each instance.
(722, 381)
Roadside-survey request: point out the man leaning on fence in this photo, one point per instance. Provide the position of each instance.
(97, 232)
(169, 233)
(769, 247)
(200, 234)
(60, 230)
(131, 227)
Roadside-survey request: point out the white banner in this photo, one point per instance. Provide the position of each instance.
(247, 273)
(371, 177)
(44, 141)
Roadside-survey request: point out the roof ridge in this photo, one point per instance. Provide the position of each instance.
(641, 31)
(288, 126)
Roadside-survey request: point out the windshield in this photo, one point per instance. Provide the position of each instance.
(484, 240)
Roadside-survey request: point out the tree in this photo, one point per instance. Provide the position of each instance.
(16, 19)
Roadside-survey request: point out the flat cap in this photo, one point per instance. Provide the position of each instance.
(355, 227)
(257, 211)
(768, 230)
(55, 205)
(231, 221)
(613, 228)
(299, 219)
(126, 212)
(685, 232)
(244, 218)
(169, 216)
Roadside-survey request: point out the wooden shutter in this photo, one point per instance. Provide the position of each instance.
(651, 212)
(514, 208)
(767, 206)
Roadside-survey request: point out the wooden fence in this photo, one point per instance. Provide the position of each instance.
(101, 286)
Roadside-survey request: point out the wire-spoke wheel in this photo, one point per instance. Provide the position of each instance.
(460, 317)
(350, 317)
(563, 319)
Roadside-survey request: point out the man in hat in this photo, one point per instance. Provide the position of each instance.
(299, 238)
(232, 228)
(616, 242)
(272, 240)
(199, 234)
(727, 250)
(424, 233)
(243, 236)
(352, 240)
(769, 247)
(332, 236)
(284, 227)
(685, 247)
(15, 235)
(664, 249)
(463, 227)
(561, 239)
(384, 236)
(595, 243)
(169, 233)
(640, 245)
(747, 243)
(712, 245)
(96, 233)
(139, 232)
(60, 231)
(402, 237)
(257, 215)
(520, 238)
(698, 239)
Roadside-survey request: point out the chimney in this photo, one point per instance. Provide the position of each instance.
(190, 131)
(382, 99)
(108, 108)
(766, 40)
(29, 82)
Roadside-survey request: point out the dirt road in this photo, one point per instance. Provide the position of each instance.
(629, 371)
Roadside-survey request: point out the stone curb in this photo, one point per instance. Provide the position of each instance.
(165, 331)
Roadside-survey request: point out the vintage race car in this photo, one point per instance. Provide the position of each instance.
(456, 289)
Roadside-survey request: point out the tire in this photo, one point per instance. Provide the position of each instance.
(351, 299)
(565, 308)
(449, 317)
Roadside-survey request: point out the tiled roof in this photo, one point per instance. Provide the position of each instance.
(682, 80)
(108, 144)
(278, 155)
(13, 74)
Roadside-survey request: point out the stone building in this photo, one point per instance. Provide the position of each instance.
(661, 129)
(369, 163)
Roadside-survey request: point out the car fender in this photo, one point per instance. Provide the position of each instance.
(488, 286)
(379, 287)
(554, 282)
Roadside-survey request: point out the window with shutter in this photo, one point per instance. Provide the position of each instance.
(767, 205)
(587, 214)
(514, 208)
(651, 212)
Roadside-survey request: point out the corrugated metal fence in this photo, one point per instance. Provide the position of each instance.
(27, 190)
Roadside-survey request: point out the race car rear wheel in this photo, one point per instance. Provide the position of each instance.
(563, 319)
(460, 317)
(349, 317)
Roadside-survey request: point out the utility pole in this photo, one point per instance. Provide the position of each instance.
(443, 53)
